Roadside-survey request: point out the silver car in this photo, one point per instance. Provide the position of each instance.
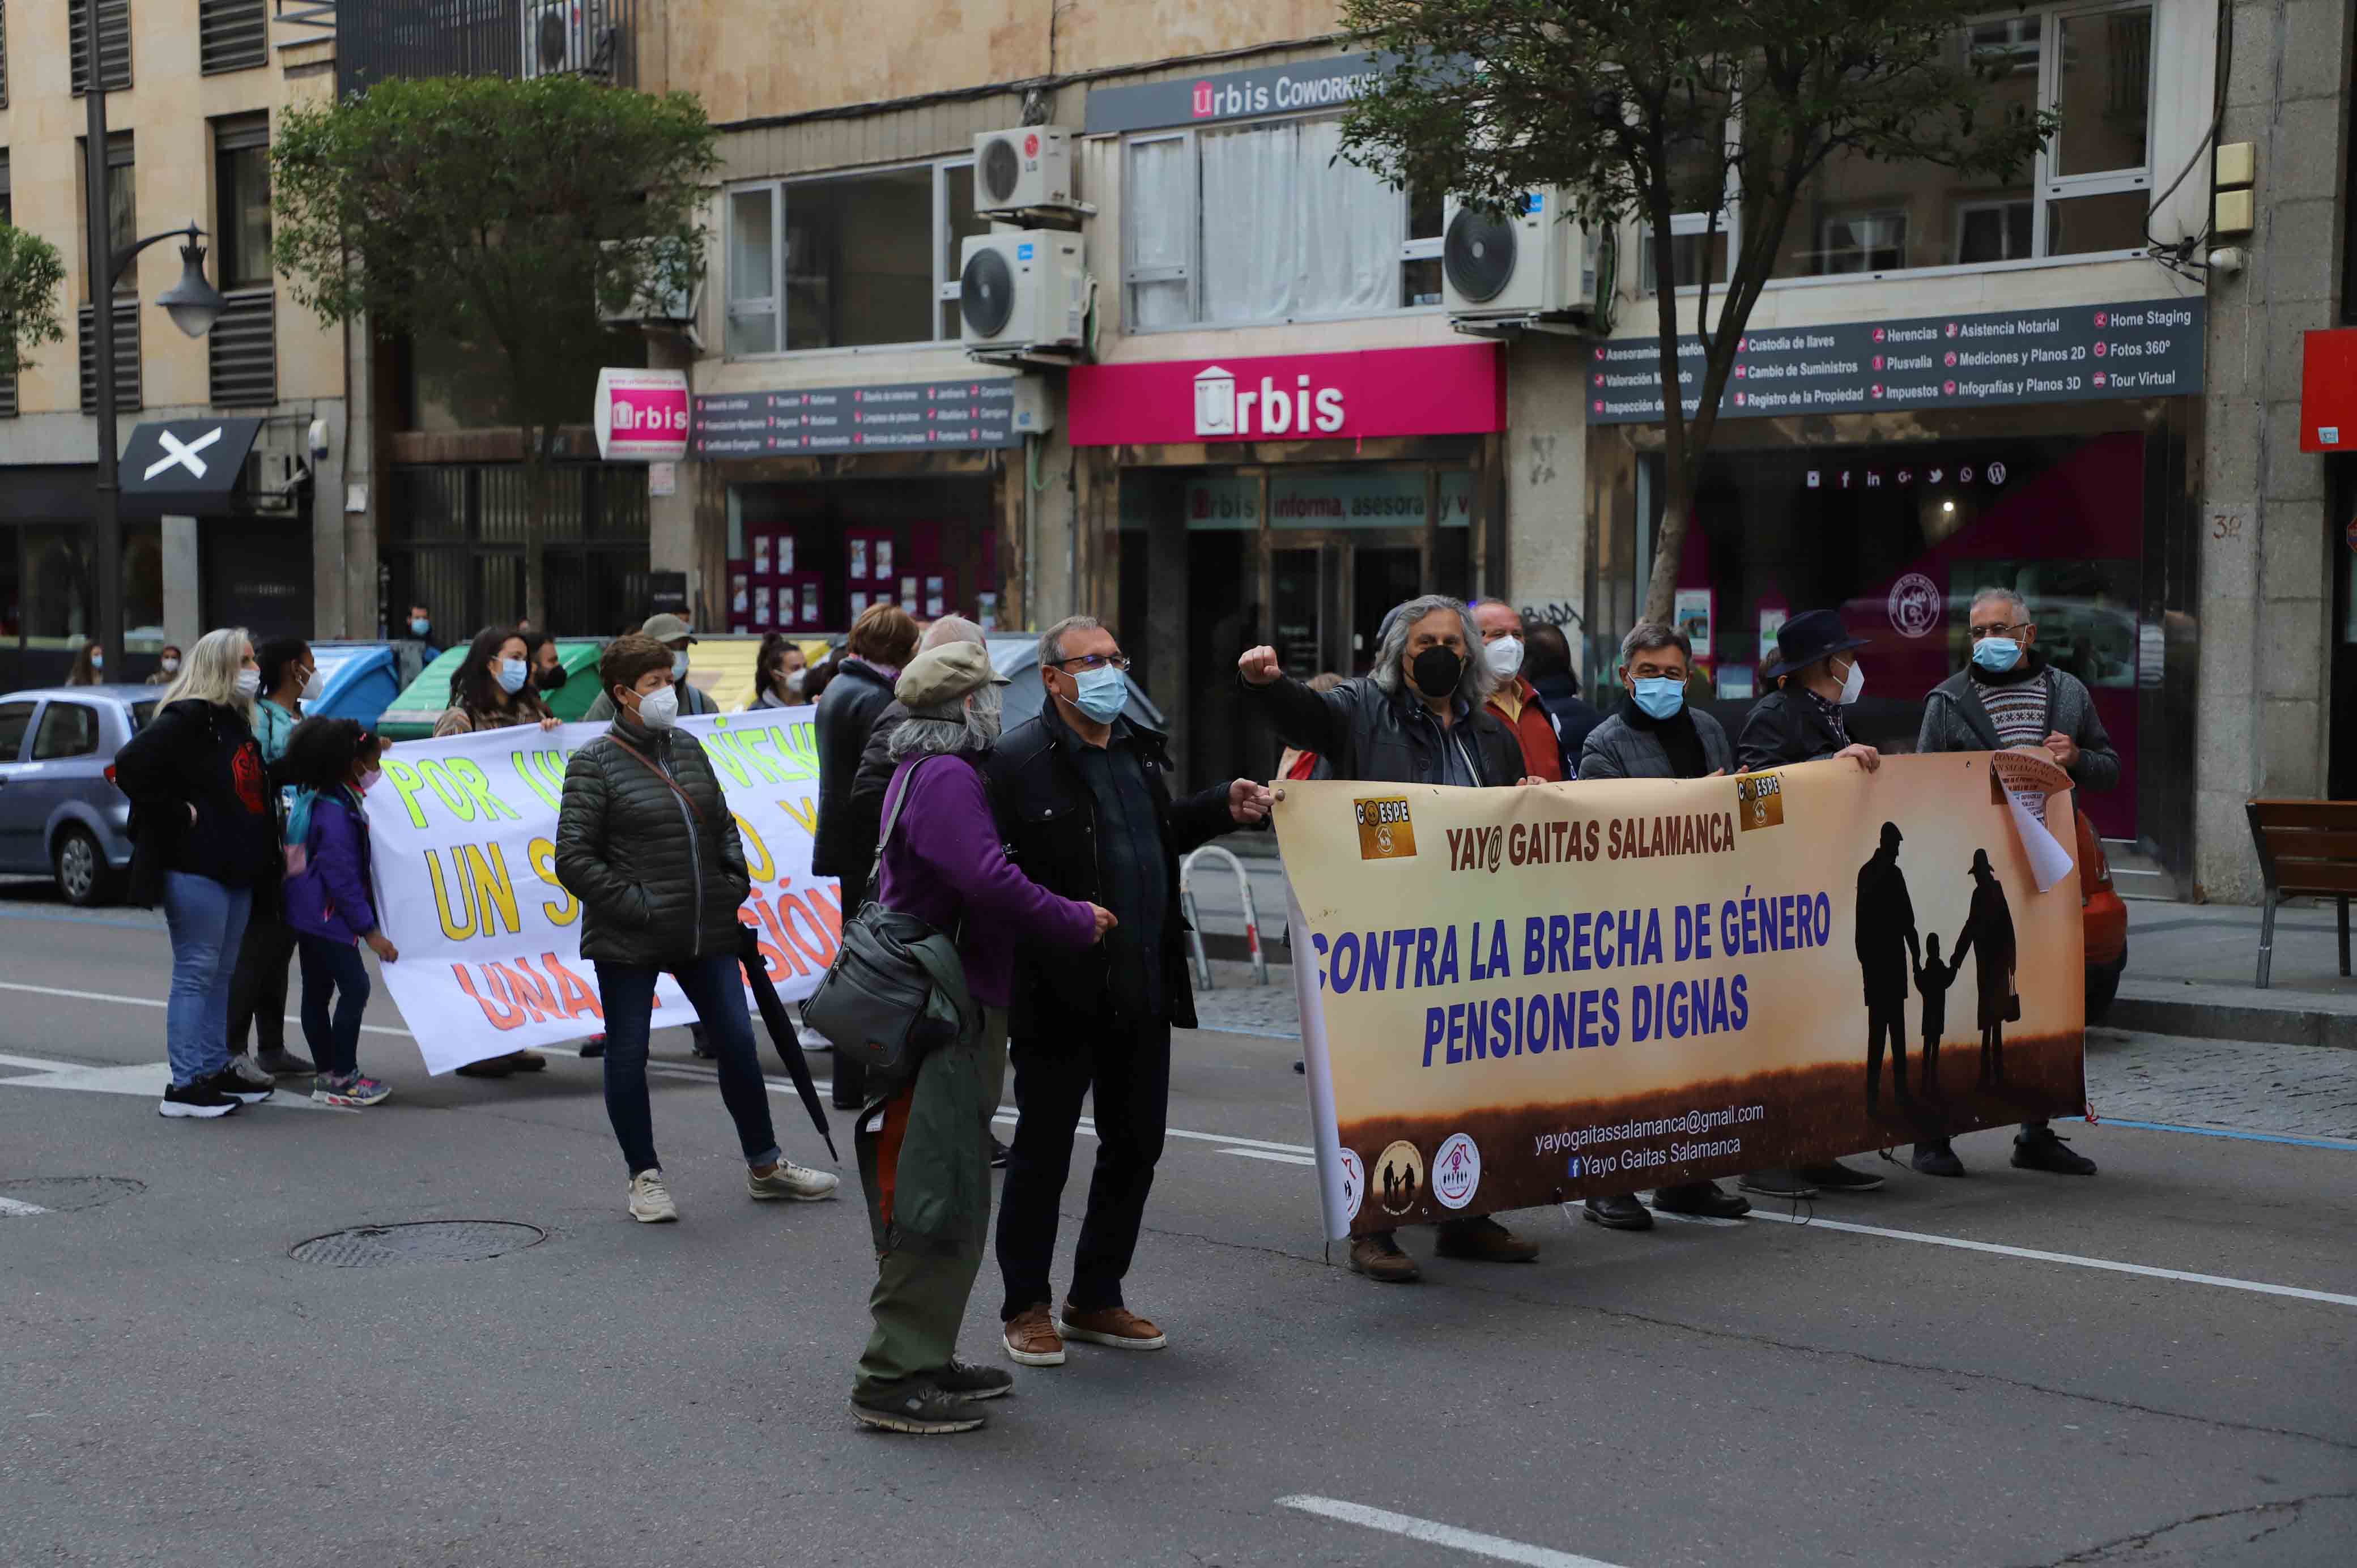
(60, 810)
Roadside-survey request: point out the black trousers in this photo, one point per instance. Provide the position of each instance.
(257, 992)
(1128, 1066)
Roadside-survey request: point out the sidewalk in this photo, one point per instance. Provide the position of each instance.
(2193, 968)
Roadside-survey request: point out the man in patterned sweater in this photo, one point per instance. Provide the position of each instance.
(2010, 696)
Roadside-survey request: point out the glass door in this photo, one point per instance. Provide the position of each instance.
(1304, 581)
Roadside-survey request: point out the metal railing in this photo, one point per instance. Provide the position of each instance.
(1195, 926)
(520, 39)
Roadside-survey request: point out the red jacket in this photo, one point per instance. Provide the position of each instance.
(1519, 709)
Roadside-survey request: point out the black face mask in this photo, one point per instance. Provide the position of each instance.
(550, 679)
(1436, 670)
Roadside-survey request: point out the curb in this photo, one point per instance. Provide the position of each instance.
(2230, 1013)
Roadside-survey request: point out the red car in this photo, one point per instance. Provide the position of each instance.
(2105, 919)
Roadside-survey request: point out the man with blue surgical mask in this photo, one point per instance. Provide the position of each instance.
(1656, 736)
(1082, 801)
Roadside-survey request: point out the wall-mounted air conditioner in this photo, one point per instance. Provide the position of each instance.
(558, 36)
(1539, 262)
(1028, 170)
(1022, 289)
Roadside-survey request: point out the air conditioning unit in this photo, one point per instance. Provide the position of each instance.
(1540, 262)
(1022, 288)
(1023, 170)
(274, 475)
(557, 37)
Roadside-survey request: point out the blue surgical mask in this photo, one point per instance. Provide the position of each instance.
(1997, 654)
(420, 626)
(1659, 696)
(1101, 693)
(513, 673)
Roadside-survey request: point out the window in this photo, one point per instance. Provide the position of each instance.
(1862, 242)
(114, 44)
(15, 718)
(7, 217)
(847, 260)
(232, 34)
(1698, 173)
(1264, 221)
(68, 729)
(241, 185)
(122, 210)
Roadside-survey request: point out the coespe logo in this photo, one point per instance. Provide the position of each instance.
(1272, 410)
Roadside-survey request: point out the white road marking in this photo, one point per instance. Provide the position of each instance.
(152, 1001)
(39, 1064)
(11, 1206)
(2258, 1287)
(1690, 1219)
(1495, 1547)
(1310, 1160)
(148, 1080)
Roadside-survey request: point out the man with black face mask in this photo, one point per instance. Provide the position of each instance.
(1420, 717)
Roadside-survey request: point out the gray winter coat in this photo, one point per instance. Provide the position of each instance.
(1619, 749)
(1954, 720)
(660, 879)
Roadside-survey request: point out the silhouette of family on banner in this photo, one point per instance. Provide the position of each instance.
(1890, 954)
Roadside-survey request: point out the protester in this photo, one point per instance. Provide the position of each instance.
(257, 992)
(1420, 718)
(421, 626)
(778, 671)
(168, 667)
(330, 764)
(1816, 675)
(2011, 696)
(1514, 700)
(492, 690)
(675, 636)
(925, 1151)
(1656, 736)
(89, 666)
(546, 662)
(205, 845)
(1081, 800)
(842, 846)
(819, 678)
(645, 840)
(1294, 763)
(1546, 660)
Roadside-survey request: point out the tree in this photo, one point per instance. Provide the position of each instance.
(30, 271)
(1645, 109)
(500, 214)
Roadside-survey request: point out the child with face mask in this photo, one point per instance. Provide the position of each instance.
(331, 763)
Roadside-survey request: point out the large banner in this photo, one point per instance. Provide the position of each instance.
(464, 836)
(1520, 996)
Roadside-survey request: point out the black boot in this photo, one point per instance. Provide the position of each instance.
(1620, 1212)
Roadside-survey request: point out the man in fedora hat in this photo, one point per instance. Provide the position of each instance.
(1817, 676)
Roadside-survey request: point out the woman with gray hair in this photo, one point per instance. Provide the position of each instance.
(924, 1150)
(1418, 717)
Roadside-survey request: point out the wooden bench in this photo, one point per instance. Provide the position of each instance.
(2307, 849)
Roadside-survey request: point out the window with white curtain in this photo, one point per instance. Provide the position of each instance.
(1263, 221)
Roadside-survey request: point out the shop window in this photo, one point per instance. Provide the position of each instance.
(848, 261)
(1267, 221)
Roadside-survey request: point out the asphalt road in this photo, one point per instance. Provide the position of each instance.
(179, 1390)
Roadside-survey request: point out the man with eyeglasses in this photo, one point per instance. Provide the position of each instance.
(1083, 803)
(2008, 696)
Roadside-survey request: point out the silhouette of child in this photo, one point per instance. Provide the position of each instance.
(1933, 979)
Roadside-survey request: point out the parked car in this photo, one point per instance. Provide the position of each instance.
(60, 810)
(2105, 920)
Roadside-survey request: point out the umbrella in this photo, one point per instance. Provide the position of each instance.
(785, 1037)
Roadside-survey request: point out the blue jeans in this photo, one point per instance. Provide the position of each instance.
(207, 923)
(332, 966)
(717, 991)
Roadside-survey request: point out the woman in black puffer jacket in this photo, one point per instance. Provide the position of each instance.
(644, 839)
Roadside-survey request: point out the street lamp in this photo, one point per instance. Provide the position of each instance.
(194, 305)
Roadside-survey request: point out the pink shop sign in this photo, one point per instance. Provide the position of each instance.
(1456, 390)
(641, 416)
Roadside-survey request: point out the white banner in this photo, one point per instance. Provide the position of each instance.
(463, 832)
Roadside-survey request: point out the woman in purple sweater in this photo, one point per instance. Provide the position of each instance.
(924, 1152)
(329, 900)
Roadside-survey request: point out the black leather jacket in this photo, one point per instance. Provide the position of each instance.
(660, 879)
(1048, 817)
(1782, 728)
(844, 842)
(1369, 733)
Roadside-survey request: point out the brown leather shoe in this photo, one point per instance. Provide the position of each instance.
(1483, 1241)
(1379, 1258)
(1114, 1326)
(1031, 1339)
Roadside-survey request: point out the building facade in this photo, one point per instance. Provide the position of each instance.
(193, 88)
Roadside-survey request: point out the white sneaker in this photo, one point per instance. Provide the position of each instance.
(651, 1201)
(790, 1180)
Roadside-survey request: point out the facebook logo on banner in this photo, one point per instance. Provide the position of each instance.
(1574, 1167)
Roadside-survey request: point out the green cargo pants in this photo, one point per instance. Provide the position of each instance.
(923, 1282)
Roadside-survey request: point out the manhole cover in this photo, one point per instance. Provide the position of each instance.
(422, 1242)
(64, 1194)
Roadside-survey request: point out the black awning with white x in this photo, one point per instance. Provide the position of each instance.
(185, 463)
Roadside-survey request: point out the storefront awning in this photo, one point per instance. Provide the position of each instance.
(185, 464)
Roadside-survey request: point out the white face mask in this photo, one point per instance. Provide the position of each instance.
(679, 665)
(314, 685)
(1853, 685)
(249, 681)
(171, 666)
(1504, 657)
(660, 710)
